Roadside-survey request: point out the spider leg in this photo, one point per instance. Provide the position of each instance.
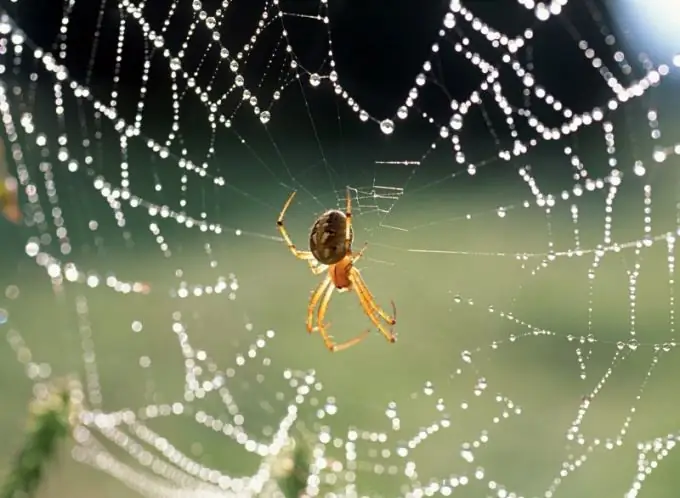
(357, 256)
(371, 308)
(330, 344)
(307, 256)
(348, 224)
(359, 281)
(314, 300)
(315, 266)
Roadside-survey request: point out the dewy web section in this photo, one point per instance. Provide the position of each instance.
(122, 211)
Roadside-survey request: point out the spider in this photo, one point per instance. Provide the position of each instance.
(330, 244)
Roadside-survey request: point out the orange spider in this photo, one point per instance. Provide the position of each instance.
(330, 244)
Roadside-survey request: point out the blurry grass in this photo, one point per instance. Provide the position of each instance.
(49, 421)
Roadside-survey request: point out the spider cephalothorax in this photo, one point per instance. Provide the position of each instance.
(330, 244)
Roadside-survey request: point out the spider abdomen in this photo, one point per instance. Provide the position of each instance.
(327, 237)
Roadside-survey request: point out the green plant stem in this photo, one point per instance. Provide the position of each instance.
(296, 468)
(49, 424)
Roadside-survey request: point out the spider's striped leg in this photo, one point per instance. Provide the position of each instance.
(284, 233)
(307, 256)
(314, 300)
(370, 299)
(356, 257)
(348, 222)
(316, 267)
(330, 344)
(371, 308)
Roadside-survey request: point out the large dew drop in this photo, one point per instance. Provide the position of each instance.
(456, 122)
(387, 126)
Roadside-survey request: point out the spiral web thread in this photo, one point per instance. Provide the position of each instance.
(157, 468)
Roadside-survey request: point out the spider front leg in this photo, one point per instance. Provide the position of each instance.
(330, 344)
(348, 223)
(307, 256)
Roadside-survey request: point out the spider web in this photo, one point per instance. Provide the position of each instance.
(529, 242)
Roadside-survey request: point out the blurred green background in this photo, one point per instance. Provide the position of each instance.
(447, 304)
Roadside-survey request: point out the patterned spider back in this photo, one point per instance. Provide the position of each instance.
(327, 237)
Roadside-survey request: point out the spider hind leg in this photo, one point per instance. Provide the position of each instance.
(332, 346)
(371, 309)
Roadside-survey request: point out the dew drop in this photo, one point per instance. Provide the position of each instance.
(387, 126)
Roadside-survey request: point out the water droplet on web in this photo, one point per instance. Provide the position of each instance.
(175, 64)
(480, 386)
(12, 292)
(196, 5)
(210, 22)
(402, 112)
(363, 115)
(314, 79)
(387, 126)
(456, 122)
(421, 79)
(233, 66)
(265, 117)
(467, 456)
(633, 344)
(239, 80)
(331, 408)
